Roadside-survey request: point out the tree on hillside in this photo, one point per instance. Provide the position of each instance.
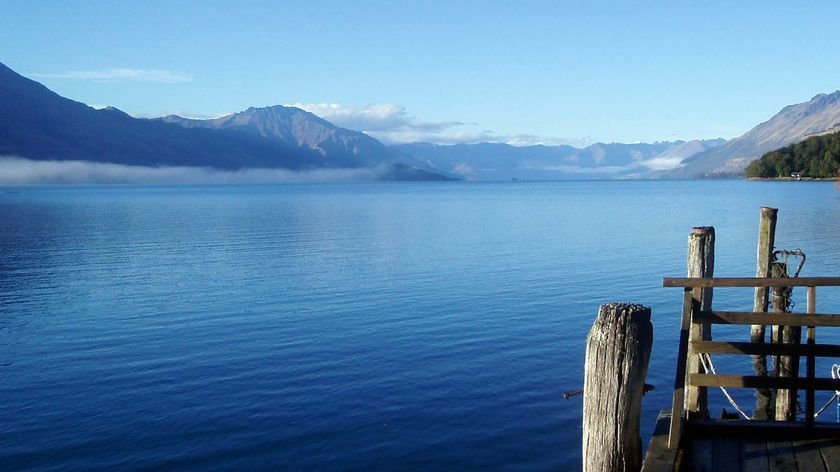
(817, 157)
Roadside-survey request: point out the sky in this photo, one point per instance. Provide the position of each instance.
(521, 72)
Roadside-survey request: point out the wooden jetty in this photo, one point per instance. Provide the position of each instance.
(686, 438)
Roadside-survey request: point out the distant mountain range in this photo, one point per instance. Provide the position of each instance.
(794, 123)
(38, 124)
(495, 161)
(297, 129)
(714, 158)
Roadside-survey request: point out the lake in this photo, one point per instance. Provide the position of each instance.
(386, 326)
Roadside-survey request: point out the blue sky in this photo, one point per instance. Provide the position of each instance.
(446, 71)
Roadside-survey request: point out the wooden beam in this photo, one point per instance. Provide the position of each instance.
(746, 282)
(810, 360)
(750, 381)
(784, 319)
(720, 347)
(700, 263)
(764, 257)
(786, 366)
(677, 411)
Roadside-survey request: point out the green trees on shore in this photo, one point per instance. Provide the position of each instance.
(816, 157)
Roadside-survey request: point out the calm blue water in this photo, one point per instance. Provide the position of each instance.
(346, 327)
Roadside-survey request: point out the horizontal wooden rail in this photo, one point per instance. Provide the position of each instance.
(748, 381)
(718, 347)
(751, 282)
(695, 314)
(755, 318)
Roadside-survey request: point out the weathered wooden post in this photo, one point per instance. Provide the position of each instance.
(785, 402)
(766, 241)
(701, 263)
(617, 356)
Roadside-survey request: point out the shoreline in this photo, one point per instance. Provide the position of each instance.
(800, 179)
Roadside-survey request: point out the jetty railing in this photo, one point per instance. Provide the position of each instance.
(692, 345)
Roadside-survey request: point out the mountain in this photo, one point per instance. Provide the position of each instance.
(38, 124)
(495, 161)
(792, 124)
(299, 129)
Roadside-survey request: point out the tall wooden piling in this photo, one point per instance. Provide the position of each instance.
(701, 263)
(785, 402)
(617, 355)
(766, 241)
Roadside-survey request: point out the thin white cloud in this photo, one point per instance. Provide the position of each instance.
(121, 74)
(373, 118)
(17, 171)
(663, 163)
(392, 124)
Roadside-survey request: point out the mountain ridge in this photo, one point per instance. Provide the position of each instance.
(793, 123)
(39, 124)
(303, 130)
(500, 161)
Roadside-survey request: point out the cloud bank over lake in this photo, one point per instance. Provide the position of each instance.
(17, 171)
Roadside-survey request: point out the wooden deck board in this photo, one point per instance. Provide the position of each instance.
(754, 456)
(830, 451)
(808, 456)
(744, 446)
(761, 455)
(726, 454)
(780, 456)
(659, 457)
(702, 455)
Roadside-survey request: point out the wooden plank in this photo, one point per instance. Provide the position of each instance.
(751, 381)
(677, 408)
(727, 454)
(754, 455)
(791, 430)
(700, 454)
(764, 257)
(808, 457)
(720, 347)
(696, 398)
(786, 366)
(749, 282)
(659, 457)
(830, 452)
(782, 319)
(811, 359)
(780, 457)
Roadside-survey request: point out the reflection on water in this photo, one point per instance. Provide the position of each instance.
(346, 327)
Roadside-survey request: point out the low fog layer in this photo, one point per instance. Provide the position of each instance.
(18, 171)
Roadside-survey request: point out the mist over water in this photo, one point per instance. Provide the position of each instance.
(17, 171)
(387, 326)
